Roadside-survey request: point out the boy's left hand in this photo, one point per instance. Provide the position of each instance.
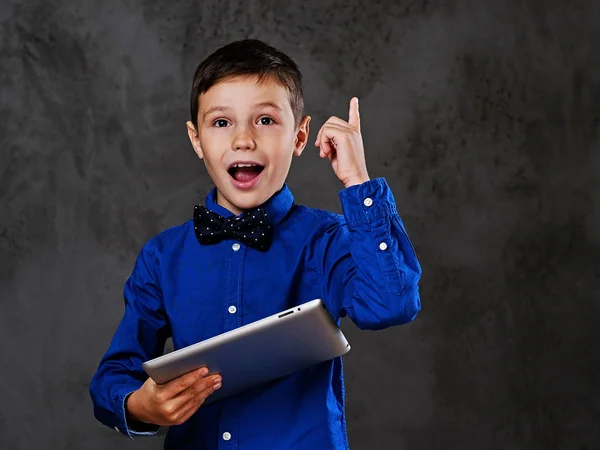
(341, 142)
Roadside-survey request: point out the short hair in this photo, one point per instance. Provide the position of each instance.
(248, 57)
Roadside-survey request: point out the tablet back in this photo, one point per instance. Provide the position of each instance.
(259, 352)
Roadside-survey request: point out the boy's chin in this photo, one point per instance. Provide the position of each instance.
(249, 200)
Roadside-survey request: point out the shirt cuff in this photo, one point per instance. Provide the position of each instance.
(363, 203)
(131, 428)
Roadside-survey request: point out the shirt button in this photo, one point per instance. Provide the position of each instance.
(226, 435)
(232, 309)
(368, 201)
(235, 247)
(382, 246)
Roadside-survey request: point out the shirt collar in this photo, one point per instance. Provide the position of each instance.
(277, 206)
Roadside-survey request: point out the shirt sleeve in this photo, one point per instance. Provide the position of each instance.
(141, 335)
(369, 268)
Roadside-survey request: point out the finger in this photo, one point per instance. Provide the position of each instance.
(318, 137)
(326, 143)
(183, 411)
(330, 150)
(197, 399)
(335, 122)
(208, 392)
(187, 411)
(331, 129)
(331, 135)
(182, 383)
(200, 387)
(214, 385)
(195, 402)
(320, 134)
(354, 116)
(327, 149)
(194, 394)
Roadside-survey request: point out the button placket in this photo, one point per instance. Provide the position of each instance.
(232, 312)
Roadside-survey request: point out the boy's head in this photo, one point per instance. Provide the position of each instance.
(247, 121)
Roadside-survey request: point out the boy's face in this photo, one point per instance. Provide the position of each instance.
(247, 136)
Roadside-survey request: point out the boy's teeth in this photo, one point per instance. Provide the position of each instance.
(244, 165)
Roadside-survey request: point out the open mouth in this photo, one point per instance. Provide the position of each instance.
(245, 172)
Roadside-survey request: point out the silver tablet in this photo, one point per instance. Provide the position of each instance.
(259, 352)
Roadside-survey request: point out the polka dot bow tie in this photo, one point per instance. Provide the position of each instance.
(252, 228)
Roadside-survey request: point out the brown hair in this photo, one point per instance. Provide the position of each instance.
(249, 57)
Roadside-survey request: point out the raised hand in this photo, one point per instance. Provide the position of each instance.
(341, 142)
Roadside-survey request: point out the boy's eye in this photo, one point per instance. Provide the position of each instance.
(265, 121)
(220, 123)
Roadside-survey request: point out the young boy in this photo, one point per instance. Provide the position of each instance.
(251, 252)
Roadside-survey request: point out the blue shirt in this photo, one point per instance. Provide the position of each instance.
(361, 264)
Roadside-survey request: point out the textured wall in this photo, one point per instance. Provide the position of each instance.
(483, 116)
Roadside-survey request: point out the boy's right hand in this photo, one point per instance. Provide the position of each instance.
(172, 403)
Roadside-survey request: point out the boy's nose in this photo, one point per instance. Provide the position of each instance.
(244, 142)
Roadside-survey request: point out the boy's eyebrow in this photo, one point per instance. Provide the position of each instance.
(215, 109)
(270, 104)
(225, 108)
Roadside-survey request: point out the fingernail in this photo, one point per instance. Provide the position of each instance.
(217, 380)
(204, 371)
(217, 386)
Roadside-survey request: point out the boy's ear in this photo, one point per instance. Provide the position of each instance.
(194, 138)
(302, 136)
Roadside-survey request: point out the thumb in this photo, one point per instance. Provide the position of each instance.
(354, 116)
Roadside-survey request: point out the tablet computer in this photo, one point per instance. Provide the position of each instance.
(258, 352)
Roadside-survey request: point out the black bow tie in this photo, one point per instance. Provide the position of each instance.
(252, 228)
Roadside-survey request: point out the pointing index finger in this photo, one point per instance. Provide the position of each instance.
(354, 116)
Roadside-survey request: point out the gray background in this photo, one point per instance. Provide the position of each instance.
(483, 116)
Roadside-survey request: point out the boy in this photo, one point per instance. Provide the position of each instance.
(252, 252)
